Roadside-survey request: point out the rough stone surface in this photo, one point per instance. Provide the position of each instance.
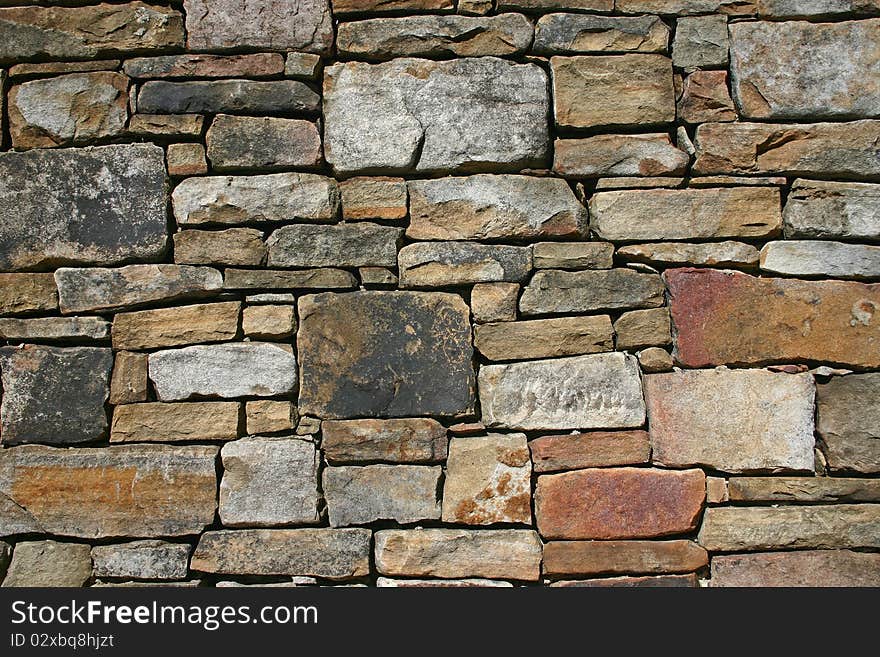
(405, 440)
(475, 582)
(655, 359)
(488, 480)
(257, 65)
(544, 338)
(439, 264)
(618, 503)
(544, 5)
(99, 493)
(494, 302)
(807, 258)
(657, 581)
(583, 33)
(361, 495)
(701, 41)
(268, 322)
(460, 115)
(166, 125)
(587, 392)
(813, 568)
(22, 294)
(767, 423)
(558, 292)
(573, 558)
(144, 560)
(49, 563)
(849, 422)
(682, 214)
(643, 328)
(265, 143)
(590, 450)
(227, 97)
(172, 327)
(97, 205)
(454, 553)
(302, 65)
(831, 210)
(379, 197)
(269, 416)
(186, 160)
(716, 254)
(572, 255)
(169, 423)
(704, 98)
(128, 383)
(619, 155)
(233, 246)
(269, 482)
(342, 245)
(811, 8)
(375, 354)
(223, 370)
(382, 6)
(804, 489)
(54, 328)
(54, 395)
(723, 317)
(308, 279)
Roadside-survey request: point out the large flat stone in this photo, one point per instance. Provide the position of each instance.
(403, 440)
(832, 210)
(686, 7)
(54, 395)
(804, 489)
(256, 97)
(573, 558)
(376, 354)
(175, 422)
(811, 8)
(49, 564)
(384, 6)
(714, 254)
(256, 65)
(561, 292)
(544, 338)
(104, 492)
(849, 422)
(588, 392)
(172, 327)
(440, 264)
(54, 328)
(241, 247)
(619, 155)
(590, 450)
(766, 426)
(100, 205)
(811, 258)
(459, 115)
(22, 294)
(341, 245)
(557, 34)
(812, 568)
(279, 279)
(724, 317)
(146, 560)
(262, 142)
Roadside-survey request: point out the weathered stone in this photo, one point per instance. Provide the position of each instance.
(21, 294)
(560, 292)
(538, 6)
(386, 582)
(369, 354)
(829, 210)
(489, 206)
(240, 199)
(92, 288)
(98, 205)
(718, 254)
(412, 440)
(454, 553)
(377, 277)
(342, 245)
(581, 33)
(656, 581)
(610, 503)
(361, 495)
(304, 65)
(169, 423)
(494, 302)
(544, 338)
(270, 297)
(309, 279)
(438, 264)
(590, 450)
(766, 426)
(737, 181)
(638, 182)
(804, 489)
(583, 392)
(700, 41)
(821, 258)
(264, 142)
(683, 214)
(837, 568)
(459, 115)
(269, 481)
(567, 558)
(55, 68)
(68, 109)
(186, 160)
(191, 583)
(128, 384)
(816, 149)
(86, 32)
(849, 422)
(235, 369)
(268, 322)
(98, 493)
(258, 65)
(150, 560)
(227, 97)
(373, 198)
(488, 480)
(308, 426)
(655, 359)
(735, 529)
(382, 6)
(812, 8)
(716, 490)
(269, 416)
(273, 24)
(619, 155)
(802, 70)
(731, 7)
(724, 317)
(49, 564)
(172, 327)
(233, 246)
(704, 98)
(572, 255)
(55, 328)
(54, 395)
(164, 125)
(643, 328)
(432, 36)
(475, 7)
(603, 91)
(329, 553)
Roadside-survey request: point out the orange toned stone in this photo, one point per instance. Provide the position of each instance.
(128, 383)
(724, 317)
(574, 558)
(619, 503)
(590, 450)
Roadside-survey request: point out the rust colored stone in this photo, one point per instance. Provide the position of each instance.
(590, 450)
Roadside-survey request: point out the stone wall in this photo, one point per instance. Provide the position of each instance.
(408, 292)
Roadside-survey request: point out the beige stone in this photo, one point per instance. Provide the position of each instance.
(169, 423)
(643, 328)
(128, 384)
(494, 302)
(572, 255)
(26, 293)
(170, 327)
(812, 568)
(544, 338)
(655, 359)
(186, 159)
(402, 440)
(233, 246)
(804, 489)
(714, 254)
(269, 416)
(166, 125)
(619, 155)
(268, 322)
(574, 558)
(373, 198)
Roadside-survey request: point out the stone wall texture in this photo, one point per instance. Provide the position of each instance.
(440, 293)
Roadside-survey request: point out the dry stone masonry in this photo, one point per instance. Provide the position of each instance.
(460, 293)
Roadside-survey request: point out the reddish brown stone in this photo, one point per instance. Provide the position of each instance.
(590, 450)
(574, 558)
(801, 568)
(619, 503)
(662, 581)
(705, 97)
(724, 317)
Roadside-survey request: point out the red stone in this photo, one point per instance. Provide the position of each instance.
(590, 450)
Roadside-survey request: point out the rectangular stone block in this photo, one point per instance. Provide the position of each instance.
(804, 489)
(257, 65)
(812, 258)
(169, 423)
(590, 450)
(21, 294)
(373, 197)
(832, 210)
(444, 264)
(557, 34)
(128, 383)
(341, 245)
(264, 142)
(573, 558)
(172, 327)
(561, 292)
(572, 255)
(279, 279)
(544, 338)
(148, 560)
(404, 440)
(250, 97)
(618, 155)
(812, 568)
(849, 422)
(243, 247)
(39, 329)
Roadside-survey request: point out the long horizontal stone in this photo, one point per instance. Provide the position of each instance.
(688, 581)
(49, 564)
(724, 317)
(715, 254)
(803, 489)
(262, 142)
(256, 65)
(590, 450)
(385, 6)
(560, 292)
(21, 294)
(572, 255)
(439, 264)
(233, 246)
(227, 97)
(172, 327)
(103, 492)
(849, 422)
(619, 155)
(596, 391)
(821, 258)
(809, 8)
(567, 558)
(342, 245)
(305, 279)
(813, 568)
(832, 210)
(175, 422)
(473, 582)
(404, 440)
(146, 560)
(557, 34)
(682, 214)
(735, 529)
(544, 338)
(686, 7)
(55, 328)
(337, 554)
(455, 553)
(540, 6)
